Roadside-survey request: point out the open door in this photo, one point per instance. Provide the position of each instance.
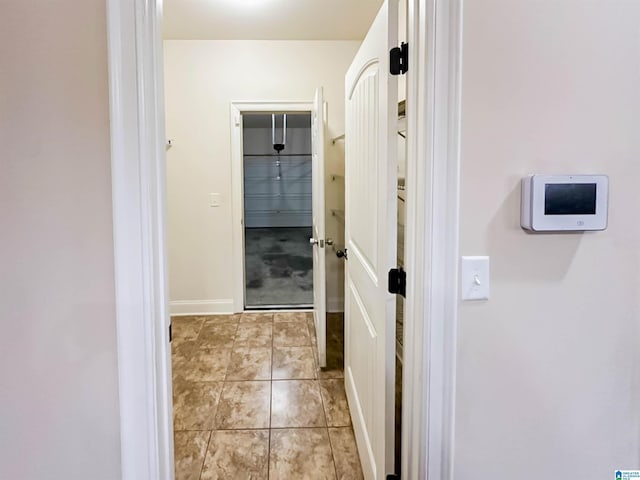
(318, 240)
(370, 230)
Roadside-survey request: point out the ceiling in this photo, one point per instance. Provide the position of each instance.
(268, 19)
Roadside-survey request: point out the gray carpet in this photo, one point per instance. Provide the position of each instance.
(278, 266)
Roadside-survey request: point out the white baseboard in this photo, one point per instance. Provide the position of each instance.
(335, 304)
(201, 307)
(226, 306)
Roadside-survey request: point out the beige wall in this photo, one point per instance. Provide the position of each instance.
(547, 370)
(58, 372)
(202, 78)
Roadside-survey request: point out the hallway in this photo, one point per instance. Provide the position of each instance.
(250, 402)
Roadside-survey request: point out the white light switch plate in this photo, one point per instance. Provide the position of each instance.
(475, 278)
(215, 199)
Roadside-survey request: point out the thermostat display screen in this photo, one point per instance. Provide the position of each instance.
(570, 199)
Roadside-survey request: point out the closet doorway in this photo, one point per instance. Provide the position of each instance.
(279, 209)
(277, 200)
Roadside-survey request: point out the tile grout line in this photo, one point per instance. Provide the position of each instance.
(333, 457)
(226, 371)
(270, 398)
(215, 414)
(226, 380)
(206, 452)
(324, 409)
(233, 345)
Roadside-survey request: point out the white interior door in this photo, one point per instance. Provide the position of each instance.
(318, 239)
(370, 231)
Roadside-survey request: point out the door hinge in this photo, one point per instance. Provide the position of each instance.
(399, 59)
(170, 333)
(398, 281)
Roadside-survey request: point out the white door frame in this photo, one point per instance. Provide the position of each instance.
(432, 237)
(139, 197)
(139, 219)
(237, 185)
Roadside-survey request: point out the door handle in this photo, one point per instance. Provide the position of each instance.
(313, 241)
(329, 241)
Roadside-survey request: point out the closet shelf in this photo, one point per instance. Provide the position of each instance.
(278, 212)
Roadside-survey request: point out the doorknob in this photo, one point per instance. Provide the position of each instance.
(329, 241)
(313, 241)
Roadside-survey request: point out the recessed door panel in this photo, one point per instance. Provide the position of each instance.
(370, 231)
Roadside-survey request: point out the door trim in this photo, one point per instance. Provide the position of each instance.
(139, 212)
(237, 187)
(139, 197)
(432, 237)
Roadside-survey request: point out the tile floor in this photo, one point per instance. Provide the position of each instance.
(250, 402)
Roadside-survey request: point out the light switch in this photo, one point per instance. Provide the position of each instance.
(215, 199)
(475, 278)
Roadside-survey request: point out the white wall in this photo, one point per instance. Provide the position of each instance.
(547, 369)
(202, 78)
(58, 372)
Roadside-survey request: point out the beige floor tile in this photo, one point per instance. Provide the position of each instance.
(296, 403)
(301, 453)
(312, 332)
(249, 364)
(221, 319)
(335, 319)
(248, 317)
(194, 405)
(237, 454)
(335, 330)
(334, 368)
(179, 383)
(178, 367)
(204, 366)
(254, 335)
(335, 360)
(345, 454)
(290, 334)
(292, 316)
(293, 363)
(330, 373)
(215, 335)
(186, 328)
(183, 348)
(190, 449)
(334, 400)
(244, 405)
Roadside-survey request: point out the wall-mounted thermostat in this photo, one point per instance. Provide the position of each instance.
(556, 203)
